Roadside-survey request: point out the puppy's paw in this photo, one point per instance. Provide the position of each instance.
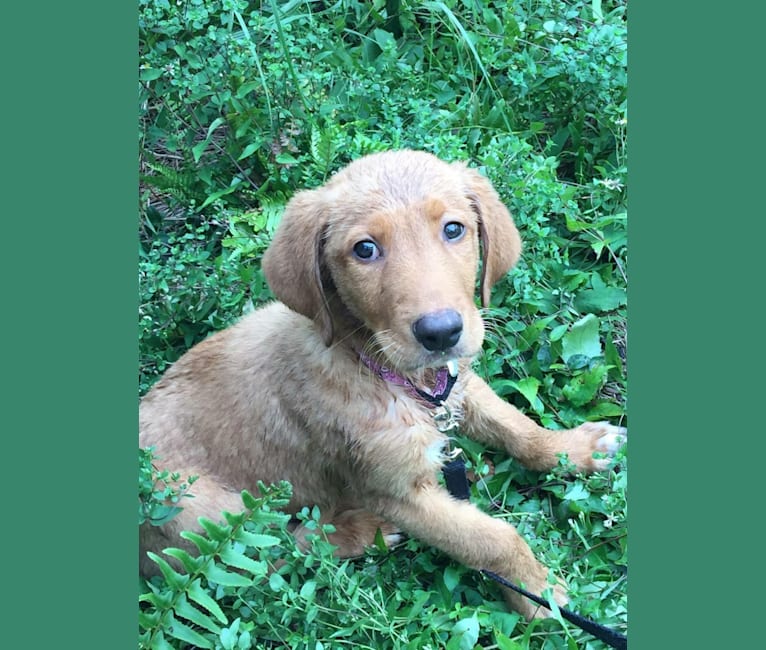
(595, 437)
(393, 539)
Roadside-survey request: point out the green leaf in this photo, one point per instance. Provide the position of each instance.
(466, 633)
(613, 359)
(598, 15)
(216, 532)
(602, 410)
(383, 38)
(202, 598)
(235, 520)
(182, 632)
(504, 643)
(148, 618)
(173, 578)
(441, 6)
(190, 564)
(246, 88)
(245, 640)
(600, 298)
(504, 622)
(532, 333)
(149, 74)
(287, 159)
(199, 148)
(494, 24)
(528, 387)
(159, 642)
(229, 635)
(218, 121)
(416, 608)
(277, 582)
(249, 150)
(217, 195)
(185, 610)
(308, 590)
(250, 502)
(583, 388)
(582, 339)
(451, 577)
(161, 600)
(379, 542)
(578, 492)
(256, 540)
(237, 560)
(322, 148)
(203, 544)
(225, 578)
(558, 332)
(162, 514)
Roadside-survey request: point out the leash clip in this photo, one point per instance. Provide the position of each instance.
(444, 419)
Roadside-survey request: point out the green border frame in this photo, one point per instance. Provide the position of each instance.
(70, 296)
(696, 231)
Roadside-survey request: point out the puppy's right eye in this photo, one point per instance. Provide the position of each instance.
(366, 250)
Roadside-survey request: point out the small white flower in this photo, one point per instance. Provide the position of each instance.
(610, 183)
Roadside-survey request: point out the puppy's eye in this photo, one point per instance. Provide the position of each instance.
(366, 250)
(454, 230)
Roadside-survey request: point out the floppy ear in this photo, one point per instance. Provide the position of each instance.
(500, 241)
(293, 262)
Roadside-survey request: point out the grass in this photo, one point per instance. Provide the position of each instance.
(242, 104)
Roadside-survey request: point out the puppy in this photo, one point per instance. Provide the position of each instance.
(350, 385)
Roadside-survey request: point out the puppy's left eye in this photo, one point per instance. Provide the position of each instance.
(454, 230)
(366, 251)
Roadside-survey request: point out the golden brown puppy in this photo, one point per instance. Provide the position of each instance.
(375, 273)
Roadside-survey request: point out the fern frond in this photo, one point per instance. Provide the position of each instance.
(183, 610)
(198, 594)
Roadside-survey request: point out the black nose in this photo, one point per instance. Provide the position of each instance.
(439, 330)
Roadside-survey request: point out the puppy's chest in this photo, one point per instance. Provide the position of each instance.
(407, 446)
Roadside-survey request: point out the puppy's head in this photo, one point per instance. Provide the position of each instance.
(391, 246)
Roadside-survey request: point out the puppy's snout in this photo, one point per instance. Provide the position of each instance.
(439, 330)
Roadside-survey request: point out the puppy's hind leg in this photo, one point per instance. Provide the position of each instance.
(209, 500)
(354, 531)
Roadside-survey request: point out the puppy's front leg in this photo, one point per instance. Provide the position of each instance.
(493, 421)
(474, 539)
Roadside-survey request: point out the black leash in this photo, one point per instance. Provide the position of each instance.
(456, 480)
(607, 635)
(457, 484)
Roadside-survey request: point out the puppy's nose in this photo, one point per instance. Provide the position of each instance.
(439, 330)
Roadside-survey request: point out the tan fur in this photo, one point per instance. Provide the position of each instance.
(283, 395)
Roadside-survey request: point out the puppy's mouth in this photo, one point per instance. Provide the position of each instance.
(420, 362)
(439, 362)
(432, 386)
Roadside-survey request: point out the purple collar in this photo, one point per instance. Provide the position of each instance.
(431, 398)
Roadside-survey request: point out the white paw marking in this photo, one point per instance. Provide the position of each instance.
(612, 441)
(392, 539)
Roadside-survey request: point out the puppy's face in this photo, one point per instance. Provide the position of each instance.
(408, 272)
(394, 240)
